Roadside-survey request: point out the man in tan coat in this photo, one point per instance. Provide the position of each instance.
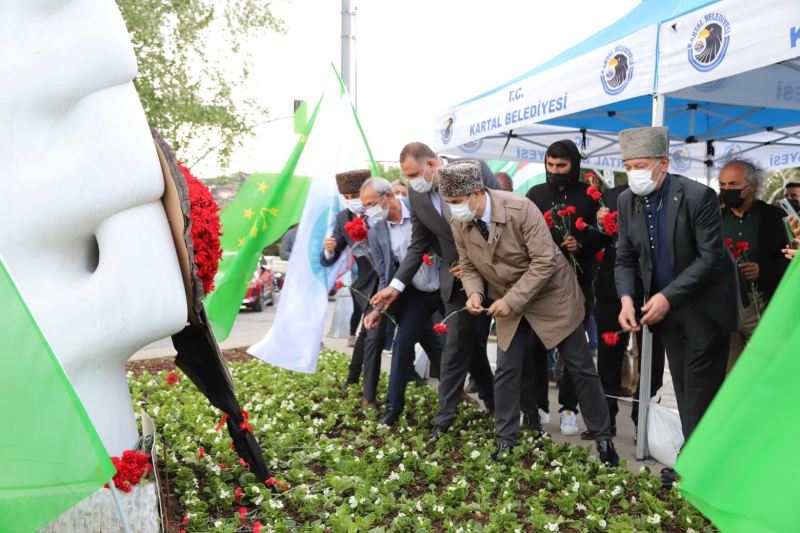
(507, 256)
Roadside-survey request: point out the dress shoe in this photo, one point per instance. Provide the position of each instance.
(436, 432)
(608, 454)
(531, 422)
(472, 387)
(467, 398)
(668, 478)
(589, 435)
(366, 404)
(389, 418)
(503, 449)
(351, 341)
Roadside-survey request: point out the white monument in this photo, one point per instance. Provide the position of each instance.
(82, 228)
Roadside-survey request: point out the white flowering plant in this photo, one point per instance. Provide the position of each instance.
(345, 472)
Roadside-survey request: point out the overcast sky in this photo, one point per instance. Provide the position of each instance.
(415, 59)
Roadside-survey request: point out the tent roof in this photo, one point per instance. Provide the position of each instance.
(647, 13)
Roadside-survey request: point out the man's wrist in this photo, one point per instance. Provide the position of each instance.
(328, 255)
(397, 285)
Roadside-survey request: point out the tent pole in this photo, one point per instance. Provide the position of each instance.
(646, 349)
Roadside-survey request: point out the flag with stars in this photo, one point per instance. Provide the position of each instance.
(265, 207)
(336, 144)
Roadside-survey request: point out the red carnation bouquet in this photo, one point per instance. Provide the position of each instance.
(132, 468)
(739, 251)
(563, 224)
(594, 193)
(205, 229)
(610, 224)
(356, 229)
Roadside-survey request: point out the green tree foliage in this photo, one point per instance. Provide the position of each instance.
(390, 172)
(776, 182)
(186, 86)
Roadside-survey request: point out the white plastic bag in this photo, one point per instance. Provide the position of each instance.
(421, 362)
(664, 433)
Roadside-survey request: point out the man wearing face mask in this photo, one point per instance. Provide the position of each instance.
(671, 234)
(465, 342)
(745, 218)
(389, 240)
(369, 344)
(792, 193)
(564, 188)
(506, 255)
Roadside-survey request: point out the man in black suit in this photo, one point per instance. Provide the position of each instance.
(671, 234)
(465, 344)
(369, 344)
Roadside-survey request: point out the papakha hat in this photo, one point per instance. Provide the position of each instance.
(459, 178)
(350, 182)
(638, 143)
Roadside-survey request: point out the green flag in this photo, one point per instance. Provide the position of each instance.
(263, 209)
(740, 466)
(50, 455)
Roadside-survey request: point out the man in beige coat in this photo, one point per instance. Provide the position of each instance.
(507, 256)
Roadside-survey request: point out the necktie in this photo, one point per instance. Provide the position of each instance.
(483, 228)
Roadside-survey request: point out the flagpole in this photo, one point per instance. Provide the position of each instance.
(122, 516)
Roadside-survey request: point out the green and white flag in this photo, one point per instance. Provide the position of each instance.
(50, 454)
(264, 208)
(740, 466)
(335, 144)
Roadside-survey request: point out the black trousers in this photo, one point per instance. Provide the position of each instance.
(697, 352)
(464, 351)
(355, 317)
(577, 359)
(367, 355)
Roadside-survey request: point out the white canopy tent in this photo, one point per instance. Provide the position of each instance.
(723, 75)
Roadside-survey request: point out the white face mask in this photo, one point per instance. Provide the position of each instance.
(354, 206)
(377, 213)
(462, 212)
(641, 181)
(420, 184)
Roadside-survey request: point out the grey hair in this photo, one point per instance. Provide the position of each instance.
(754, 175)
(380, 185)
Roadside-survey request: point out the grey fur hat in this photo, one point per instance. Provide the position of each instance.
(648, 143)
(350, 182)
(459, 178)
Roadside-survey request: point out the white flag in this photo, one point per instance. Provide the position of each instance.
(334, 145)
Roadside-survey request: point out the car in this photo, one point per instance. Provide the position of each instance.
(259, 292)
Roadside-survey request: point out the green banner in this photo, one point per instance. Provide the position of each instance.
(50, 454)
(263, 210)
(739, 467)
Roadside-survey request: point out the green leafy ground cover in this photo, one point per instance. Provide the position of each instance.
(347, 473)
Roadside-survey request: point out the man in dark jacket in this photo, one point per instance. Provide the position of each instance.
(369, 344)
(564, 189)
(670, 234)
(746, 219)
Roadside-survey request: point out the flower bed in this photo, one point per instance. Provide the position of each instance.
(346, 473)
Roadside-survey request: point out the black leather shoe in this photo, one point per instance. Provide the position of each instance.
(588, 435)
(503, 448)
(608, 454)
(668, 478)
(531, 422)
(389, 418)
(437, 432)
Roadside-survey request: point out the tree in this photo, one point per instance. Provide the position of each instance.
(186, 94)
(390, 172)
(776, 182)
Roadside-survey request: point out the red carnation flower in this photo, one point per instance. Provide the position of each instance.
(242, 513)
(205, 229)
(548, 218)
(173, 378)
(272, 482)
(201, 452)
(594, 193)
(185, 520)
(244, 463)
(237, 494)
(610, 338)
(339, 285)
(570, 210)
(440, 328)
(426, 259)
(728, 242)
(742, 246)
(600, 255)
(356, 229)
(610, 224)
(580, 225)
(256, 527)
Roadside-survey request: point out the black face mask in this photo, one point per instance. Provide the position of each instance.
(795, 204)
(557, 180)
(731, 197)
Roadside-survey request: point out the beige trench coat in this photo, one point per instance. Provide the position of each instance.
(522, 265)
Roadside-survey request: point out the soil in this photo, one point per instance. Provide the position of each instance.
(168, 363)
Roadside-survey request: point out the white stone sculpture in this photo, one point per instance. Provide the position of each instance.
(82, 228)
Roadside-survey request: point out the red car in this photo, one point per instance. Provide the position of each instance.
(259, 292)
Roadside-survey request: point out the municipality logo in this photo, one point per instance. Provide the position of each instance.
(680, 159)
(709, 42)
(617, 70)
(471, 147)
(447, 129)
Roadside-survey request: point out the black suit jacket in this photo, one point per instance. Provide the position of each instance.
(705, 273)
(430, 231)
(367, 280)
